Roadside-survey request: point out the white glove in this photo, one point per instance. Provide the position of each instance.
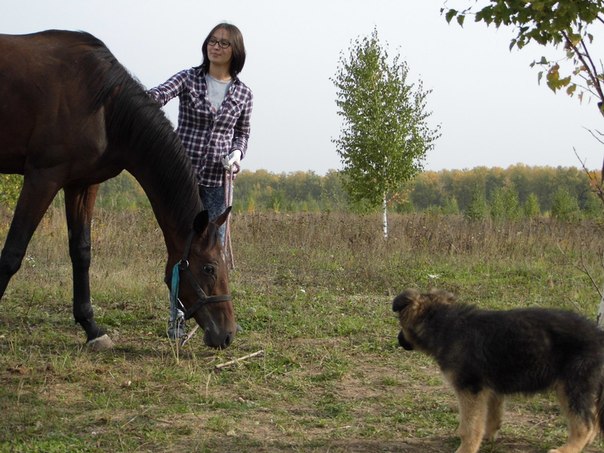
(232, 160)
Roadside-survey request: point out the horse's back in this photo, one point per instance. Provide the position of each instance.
(43, 64)
(47, 100)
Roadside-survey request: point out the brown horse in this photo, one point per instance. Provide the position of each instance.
(71, 116)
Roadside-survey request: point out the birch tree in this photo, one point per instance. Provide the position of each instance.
(385, 133)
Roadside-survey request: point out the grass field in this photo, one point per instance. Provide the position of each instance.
(314, 292)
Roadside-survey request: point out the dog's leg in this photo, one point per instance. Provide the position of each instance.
(494, 415)
(472, 414)
(581, 431)
(579, 436)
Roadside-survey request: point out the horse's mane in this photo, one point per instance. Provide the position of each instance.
(137, 125)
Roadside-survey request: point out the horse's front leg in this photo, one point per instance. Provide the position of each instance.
(34, 199)
(79, 204)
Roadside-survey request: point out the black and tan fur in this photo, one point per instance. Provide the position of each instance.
(486, 355)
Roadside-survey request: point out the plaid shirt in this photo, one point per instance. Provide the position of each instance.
(208, 136)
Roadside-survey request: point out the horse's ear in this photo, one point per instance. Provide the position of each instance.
(201, 221)
(223, 217)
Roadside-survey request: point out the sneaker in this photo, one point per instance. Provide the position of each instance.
(177, 328)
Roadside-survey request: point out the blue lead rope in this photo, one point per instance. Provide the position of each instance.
(174, 291)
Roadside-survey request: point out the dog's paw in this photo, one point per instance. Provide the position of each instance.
(467, 448)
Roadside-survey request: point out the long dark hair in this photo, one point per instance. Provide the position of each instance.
(236, 39)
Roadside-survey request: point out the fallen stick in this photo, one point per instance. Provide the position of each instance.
(186, 338)
(235, 361)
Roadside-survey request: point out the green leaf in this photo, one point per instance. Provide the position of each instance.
(571, 90)
(450, 15)
(575, 39)
(564, 82)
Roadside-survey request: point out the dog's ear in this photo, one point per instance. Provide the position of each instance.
(404, 299)
(441, 296)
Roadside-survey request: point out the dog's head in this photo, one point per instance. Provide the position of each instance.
(411, 306)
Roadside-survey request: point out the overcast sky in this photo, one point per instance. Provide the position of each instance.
(485, 97)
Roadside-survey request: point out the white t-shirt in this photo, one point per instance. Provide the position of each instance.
(216, 91)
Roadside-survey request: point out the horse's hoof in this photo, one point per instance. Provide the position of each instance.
(101, 343)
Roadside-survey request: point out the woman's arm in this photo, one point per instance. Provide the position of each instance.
(169, 89)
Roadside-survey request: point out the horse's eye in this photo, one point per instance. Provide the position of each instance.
(209, 269)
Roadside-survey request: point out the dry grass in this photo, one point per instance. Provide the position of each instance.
(313, 291)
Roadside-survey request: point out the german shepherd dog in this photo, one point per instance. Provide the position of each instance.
(485, 355)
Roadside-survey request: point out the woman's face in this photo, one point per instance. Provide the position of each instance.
(220, 51)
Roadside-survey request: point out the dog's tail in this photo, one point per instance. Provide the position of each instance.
(600, 403)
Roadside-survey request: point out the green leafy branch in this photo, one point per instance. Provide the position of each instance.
(563, 24)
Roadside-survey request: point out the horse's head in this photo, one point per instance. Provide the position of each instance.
(203, 282)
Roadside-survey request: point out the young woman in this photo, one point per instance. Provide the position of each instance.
(215, 108)
(214, 113)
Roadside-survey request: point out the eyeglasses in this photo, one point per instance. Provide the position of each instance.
(223, 43)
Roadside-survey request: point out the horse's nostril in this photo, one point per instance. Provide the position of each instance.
(228, 339)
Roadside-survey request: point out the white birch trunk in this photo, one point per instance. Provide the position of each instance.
(385, 217)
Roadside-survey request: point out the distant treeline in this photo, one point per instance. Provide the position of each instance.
(514, 192)
(517, 191)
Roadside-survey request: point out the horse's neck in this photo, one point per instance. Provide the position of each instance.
(172, 204)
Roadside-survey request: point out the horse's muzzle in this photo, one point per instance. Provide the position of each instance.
(218, 340)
